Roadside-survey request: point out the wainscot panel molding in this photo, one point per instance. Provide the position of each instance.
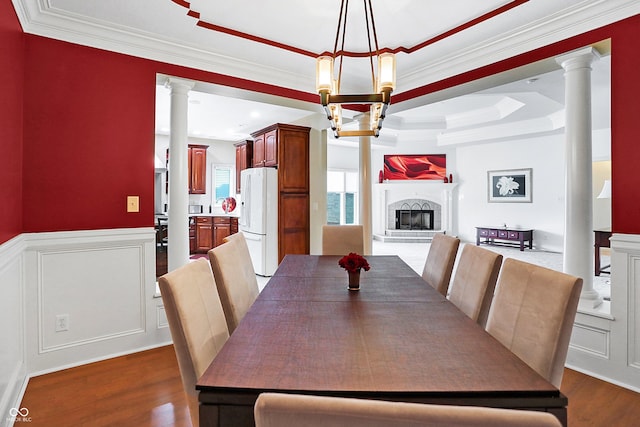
(89, 295)
(608, 346)
(13, 369)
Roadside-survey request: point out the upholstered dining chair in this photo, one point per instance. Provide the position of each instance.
(474, 282)
(532, 314)
(196, 321)
(235, 278)
(285, 410)
(440, 260)
(342, 239)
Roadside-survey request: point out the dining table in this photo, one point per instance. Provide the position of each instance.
(395, 339)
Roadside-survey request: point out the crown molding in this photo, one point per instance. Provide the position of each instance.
(39, 18)
(581, 18)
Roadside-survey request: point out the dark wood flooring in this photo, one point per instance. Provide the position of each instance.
(144, 389)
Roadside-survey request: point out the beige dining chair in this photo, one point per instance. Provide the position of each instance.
(532, 314)
(440, 260)
(196, 321)
(342, 239)
(285, 410)
(235, 278)
(474, 282)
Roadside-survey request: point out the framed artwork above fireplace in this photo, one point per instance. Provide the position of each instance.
(415, 166)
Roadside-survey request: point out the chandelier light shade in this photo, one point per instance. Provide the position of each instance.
(324, 74)
(328, 85)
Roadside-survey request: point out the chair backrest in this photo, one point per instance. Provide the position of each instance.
(284, 410)
(162, 231)
(342, 239)
(196, 321)
(439, 265)
(474, 282)
(235, 278)
(532, 314)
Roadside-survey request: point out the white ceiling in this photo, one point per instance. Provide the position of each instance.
(274, 42)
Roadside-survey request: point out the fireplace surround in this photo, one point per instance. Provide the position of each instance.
(390, 196)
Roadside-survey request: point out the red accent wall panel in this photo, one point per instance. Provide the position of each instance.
(88, 137)
(12, 58)
(625, 127)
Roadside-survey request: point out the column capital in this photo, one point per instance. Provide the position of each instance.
(179, 85)
(581, 58)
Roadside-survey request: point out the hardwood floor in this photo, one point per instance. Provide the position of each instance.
(141, 389)
(144, 389)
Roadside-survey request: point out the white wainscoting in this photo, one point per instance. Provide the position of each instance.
(103, 281)
(13, 370)
(608, 346)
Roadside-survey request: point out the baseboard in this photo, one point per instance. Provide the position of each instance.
(13, 393)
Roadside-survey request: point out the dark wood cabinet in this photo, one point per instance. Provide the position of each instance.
(192, 236)
(221, 229)
(210, 231)
(293, 224)
(271, 148)
(287, 148)
(204, 233)
(197, 169)
(244, 160)
(258, 150)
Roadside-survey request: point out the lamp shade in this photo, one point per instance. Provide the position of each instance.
(324, 73)
(386, 71)
(605, 193)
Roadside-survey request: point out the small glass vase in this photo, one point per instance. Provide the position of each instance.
(354, 280)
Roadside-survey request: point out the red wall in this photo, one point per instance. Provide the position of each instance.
(88, 137)
(12, 58)
(89, 129)
(625, 127)
(89, 134)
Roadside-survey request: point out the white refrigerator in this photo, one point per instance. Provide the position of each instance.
(259, 217)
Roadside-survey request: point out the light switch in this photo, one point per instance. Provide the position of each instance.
(133, 203)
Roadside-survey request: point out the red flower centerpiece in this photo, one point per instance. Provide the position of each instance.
(353, 263)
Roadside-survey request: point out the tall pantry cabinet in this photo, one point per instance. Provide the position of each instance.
(286, 147)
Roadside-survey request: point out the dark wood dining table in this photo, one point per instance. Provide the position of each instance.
(395, 339)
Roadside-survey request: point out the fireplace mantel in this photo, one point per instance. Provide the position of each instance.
(390, 192)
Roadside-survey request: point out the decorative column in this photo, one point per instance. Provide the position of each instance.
(578, 230)
(178, 224)
(366, 213)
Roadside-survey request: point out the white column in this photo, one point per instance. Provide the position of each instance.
(578, 234)
(178, 246)
(365, 184)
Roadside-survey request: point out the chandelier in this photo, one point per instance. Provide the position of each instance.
(328, 86)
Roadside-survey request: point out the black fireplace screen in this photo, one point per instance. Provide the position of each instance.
(414, 217)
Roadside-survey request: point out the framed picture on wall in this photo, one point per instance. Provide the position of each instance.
(509, 186)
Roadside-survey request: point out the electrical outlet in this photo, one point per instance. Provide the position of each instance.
(133, 204)
(62, 322)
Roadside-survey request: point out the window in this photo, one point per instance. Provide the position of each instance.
(342, 196)
(221, 183)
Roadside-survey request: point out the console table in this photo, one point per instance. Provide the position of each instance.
(506, 236)
(601, 240)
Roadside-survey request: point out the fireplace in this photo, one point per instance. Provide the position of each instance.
(415, 217)
(434, 199)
